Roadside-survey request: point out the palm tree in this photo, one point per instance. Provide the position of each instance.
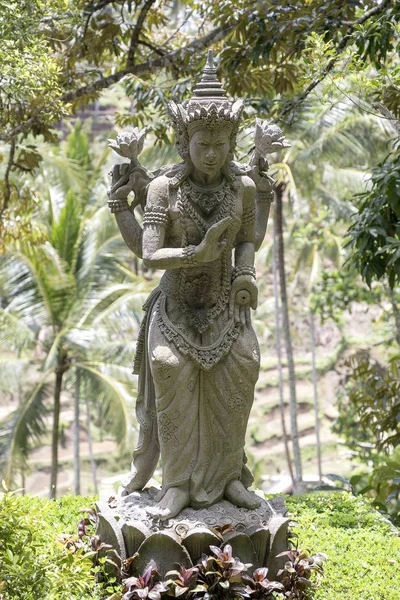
(65, 293)
(312, 173)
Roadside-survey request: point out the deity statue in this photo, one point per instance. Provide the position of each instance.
(197, 355)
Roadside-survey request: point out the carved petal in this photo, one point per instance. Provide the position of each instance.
(198, 542)
(278, 528)
(260, 539)
(242, 546)
(134, 532)
(164, 551)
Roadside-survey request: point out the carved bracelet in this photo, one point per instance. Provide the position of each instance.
(156, 216)
(238, 271)
(117, 206)
(189, 256)
(265, 197)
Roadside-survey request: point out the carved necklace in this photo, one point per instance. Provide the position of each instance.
(201, 319)
(207, 198)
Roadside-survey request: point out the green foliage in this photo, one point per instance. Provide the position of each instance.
(374, 236)
(34, 561)
(337, 290)
(375, 392)
(362, 547)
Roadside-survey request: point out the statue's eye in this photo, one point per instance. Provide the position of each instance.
(202, 144)
(219, 144)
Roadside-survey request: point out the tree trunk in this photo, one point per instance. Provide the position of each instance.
(77, 397)
(54, 445)
(279, 354)
(89, 434)
(288, 342)
(396, 314)
(316, 404)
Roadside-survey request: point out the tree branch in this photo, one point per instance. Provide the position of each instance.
(137, 30)
(339, 50)
(155, 49)
(7, 186)
(149, 66)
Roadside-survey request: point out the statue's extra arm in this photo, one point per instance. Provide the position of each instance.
(246, 237)
(263, 205)
(130, 230)
(244, 275)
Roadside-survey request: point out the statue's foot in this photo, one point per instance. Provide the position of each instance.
(132, 483)
(173, 501)
(236, 493)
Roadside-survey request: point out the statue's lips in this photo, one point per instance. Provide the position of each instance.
(210, 164)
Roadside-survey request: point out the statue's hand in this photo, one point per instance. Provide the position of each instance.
(240, 302)
(129, 177)
(258, 173)
(213, 243)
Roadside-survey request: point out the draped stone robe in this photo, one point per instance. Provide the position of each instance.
(197, 367)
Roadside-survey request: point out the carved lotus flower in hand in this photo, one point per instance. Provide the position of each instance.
(269, 138)
(129, 144)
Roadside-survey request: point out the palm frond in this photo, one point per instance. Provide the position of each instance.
(14, 333)
(11, 373)
(23, 426)
(111, 394)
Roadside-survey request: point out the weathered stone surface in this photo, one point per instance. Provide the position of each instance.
(197, 354)
(242, 547)
(162, 550)
(257, 535)
(198, 541)
(260, 537)
(278, 528)
(134, 534)
(110, 533)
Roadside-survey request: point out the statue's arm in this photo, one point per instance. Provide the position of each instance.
(263, 205)
(155, 223)
(244, 276)
(123, 182)
(130, 230)
(245, 239)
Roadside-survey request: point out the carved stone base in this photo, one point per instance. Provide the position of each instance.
(256, 536)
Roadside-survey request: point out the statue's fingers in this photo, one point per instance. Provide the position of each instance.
(237, 313)
(254, 299)
(123, 191)
(116, 184)
(231, 305)
(124, 168)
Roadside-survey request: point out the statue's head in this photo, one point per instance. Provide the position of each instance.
(206, 130)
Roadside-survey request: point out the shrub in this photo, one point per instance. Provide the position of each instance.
(35, 564)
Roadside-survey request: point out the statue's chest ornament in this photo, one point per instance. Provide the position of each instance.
(191, 199)
(207, 200)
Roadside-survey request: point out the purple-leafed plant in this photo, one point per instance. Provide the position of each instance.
(296, 574)
(183, 580)
(148, 585)
(220, 576)
(259, 586)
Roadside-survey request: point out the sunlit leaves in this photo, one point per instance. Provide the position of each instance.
(374, 236)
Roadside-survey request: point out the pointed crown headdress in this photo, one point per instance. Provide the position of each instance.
(209, 107)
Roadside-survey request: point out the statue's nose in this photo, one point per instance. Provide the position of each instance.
(211, 153)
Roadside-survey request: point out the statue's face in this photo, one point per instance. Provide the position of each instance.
(209, 150)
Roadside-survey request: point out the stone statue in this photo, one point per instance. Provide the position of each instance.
(197, 355)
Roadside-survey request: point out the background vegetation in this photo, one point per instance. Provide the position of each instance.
(72, 73)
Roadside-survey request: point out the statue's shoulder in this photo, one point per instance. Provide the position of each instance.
(243, 175)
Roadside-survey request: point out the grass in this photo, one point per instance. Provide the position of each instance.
(362, 547)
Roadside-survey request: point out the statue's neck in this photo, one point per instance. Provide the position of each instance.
(206, 179)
